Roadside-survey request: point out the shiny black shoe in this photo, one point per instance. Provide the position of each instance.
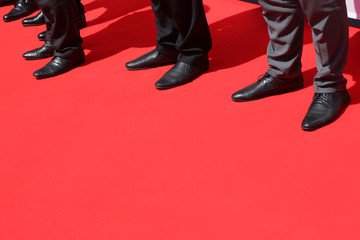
(42, 36)
(324, 109)
(267, 86)
(46, 51)
(6, 2)
(59, 65)
(150, 60)
(36, 20)
(180, 74)
(21, 9)
(82, 24)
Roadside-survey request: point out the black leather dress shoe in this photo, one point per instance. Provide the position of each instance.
(21, 9)
(36, 20)
(47, 50)
(267, 86)
(324, 109)
(59, 65)
(82, 24)
(150, 60)
(42, 36)
(180, 74)
(6, 2)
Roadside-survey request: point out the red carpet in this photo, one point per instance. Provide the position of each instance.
(99, 153)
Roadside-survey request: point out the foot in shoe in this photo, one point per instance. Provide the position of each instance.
(42, 36)
(151, 60)
(21, 9)
(59, 65)
(324, 109)
(47, 50)
(268, 86)
(180, 74)
(36, 20)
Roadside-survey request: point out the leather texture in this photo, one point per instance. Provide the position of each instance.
(324, 109)
(42, 36)
(21, 9)
(150, 60)
(47, 50)
(180, 74)
(58, 65)
(36, 20)
(267, 86)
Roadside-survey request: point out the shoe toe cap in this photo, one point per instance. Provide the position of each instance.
(28, 55)
(130, 65)
(311, 123)
(239, 96)
(7, 17)
(161, 84)
(38, 73)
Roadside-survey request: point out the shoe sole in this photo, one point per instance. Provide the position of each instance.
(31, 59)
(191, 79)
(11, 20)
(273, 94)
(310, 129)
(76, 64)
(33, 24)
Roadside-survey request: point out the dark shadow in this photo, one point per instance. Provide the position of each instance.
(114, 9)
(134, 30)
(236, 39)
(309, 77)
(353, 68)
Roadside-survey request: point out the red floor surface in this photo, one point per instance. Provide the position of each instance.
(100, 154)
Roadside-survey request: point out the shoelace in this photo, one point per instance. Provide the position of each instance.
(264, 78)
(321, 99)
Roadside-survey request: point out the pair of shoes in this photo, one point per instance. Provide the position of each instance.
(180, 74)
(21, 9)
(82, 24)
(324, 109)
(47, 50)
(6, 2)
(268, 86)
(59, 65)
(36, 20)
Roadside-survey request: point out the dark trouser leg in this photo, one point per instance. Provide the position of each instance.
(182, 29)
(285, 21)
(167, 35)
(328, 19)
(62, 19)
(80, 7)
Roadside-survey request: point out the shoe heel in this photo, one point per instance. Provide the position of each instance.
(79, 62)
